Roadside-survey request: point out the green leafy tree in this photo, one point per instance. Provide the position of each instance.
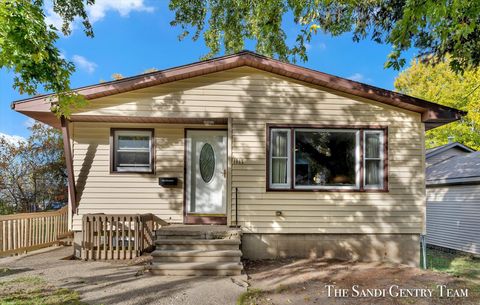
(433, 27)
(32, 172)
(27, 47)
(441, 85)
(27, 44)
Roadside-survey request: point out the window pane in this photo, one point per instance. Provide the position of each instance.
(372, 172)
(132, 150)
(279, 143)
(325, 158)
(279, 171)
(372, 145)
(133, 142)
(130, 159)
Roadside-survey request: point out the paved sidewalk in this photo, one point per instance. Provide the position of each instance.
(118, 283)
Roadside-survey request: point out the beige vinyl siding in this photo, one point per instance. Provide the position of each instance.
(453, 214)
(102, 192)
(250, 99)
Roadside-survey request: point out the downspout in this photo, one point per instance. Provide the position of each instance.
(236, 207)
(67, 150)
(423, 239)
(423, 243)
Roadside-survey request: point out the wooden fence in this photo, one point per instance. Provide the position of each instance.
(25, 232)
(118, 236)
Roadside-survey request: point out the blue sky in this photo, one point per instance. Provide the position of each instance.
(134, 35)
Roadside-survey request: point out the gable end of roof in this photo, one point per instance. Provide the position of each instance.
(439, 149)
(433, 115)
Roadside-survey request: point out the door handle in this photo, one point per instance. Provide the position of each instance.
(224, 173)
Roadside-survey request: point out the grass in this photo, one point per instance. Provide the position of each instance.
(6, 271)
(250, 297)
(34, 290)
(456, 264)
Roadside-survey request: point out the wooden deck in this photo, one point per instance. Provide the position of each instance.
(24, 232)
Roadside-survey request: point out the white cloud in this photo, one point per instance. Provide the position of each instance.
(358, 77)
(98, 11)
(84, 63)
(29, 122)
(52, 18)
(320, 46)
(12, 138)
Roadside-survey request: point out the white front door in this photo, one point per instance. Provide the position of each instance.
(206, 182)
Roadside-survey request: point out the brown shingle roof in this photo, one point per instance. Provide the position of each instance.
(433, 115)
(458, 169)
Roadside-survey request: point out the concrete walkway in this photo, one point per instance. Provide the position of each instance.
(119, 283)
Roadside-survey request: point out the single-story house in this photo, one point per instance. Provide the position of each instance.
(305, 163)
(453, 199)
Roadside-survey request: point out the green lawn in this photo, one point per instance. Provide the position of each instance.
(456, 264)
(35, 291)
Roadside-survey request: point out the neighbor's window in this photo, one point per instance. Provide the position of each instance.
(132, 151)
(325, 158)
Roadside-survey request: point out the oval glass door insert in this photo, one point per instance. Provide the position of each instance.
(207, 162)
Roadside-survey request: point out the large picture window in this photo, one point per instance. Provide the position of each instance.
(326, 158)
(132, 151)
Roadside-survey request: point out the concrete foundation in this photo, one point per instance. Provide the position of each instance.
(396, 248)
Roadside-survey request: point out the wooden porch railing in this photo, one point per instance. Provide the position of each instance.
(107, 237)
(23, 232)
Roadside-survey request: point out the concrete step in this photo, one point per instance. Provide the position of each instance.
(163, 256)
(220, 269)
(180, 235)
(160, 237)
(197, 244)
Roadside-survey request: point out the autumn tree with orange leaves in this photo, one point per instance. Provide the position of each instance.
(32, 172)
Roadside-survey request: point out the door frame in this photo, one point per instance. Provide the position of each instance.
(217, 219)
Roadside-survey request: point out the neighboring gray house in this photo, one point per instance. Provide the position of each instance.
(453, 198)
(441, 153)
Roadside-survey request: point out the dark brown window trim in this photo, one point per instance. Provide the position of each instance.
(112, 151)
(360, 128)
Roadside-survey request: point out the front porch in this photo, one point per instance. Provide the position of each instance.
(179, 184)
(175, 249)
(197, 250)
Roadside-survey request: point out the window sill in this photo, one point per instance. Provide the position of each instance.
(328, 190)
(135, 172)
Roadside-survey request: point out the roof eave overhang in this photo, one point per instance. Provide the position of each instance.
(433, 115)
(452, 181)
(38, 108)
